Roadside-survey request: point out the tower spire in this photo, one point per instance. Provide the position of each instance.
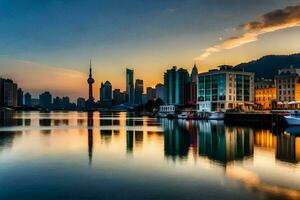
(90, 68)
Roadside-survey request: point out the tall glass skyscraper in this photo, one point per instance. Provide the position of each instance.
(176, 83)
(129, 86)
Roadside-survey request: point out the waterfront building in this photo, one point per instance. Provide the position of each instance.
(20, 101)
(90, 104)
(151, 93)
(45, 100)
(8, 93)
(27, 97)
(224, 88)
(130, 86)
(139, 90)
(159, 91)
(287, 84)
(193, 86)
(176, 83)
(264, 94)
(80, 103)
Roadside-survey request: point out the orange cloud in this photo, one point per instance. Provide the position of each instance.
(269, 22)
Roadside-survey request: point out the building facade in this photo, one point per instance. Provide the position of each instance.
(264, 94)
(106, 91)
(223, 89)
(159, 91)
(130, 86)
(20, 101)
(139, 90)
(8, 93)
(287, 84)
(193, 86)
(176, 86)
(27, 98)
(151, 93)
(45, 100)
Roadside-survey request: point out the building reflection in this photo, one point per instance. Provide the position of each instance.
(224, 144)
(106, 136)
(265, 138)
(288, 147)
(176, 139)
(129, 142)
(90, 120)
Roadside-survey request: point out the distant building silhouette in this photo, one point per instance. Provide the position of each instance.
(8, 93)
(159, 91)
(45, 100)
(139, 89)
(130, 86)
(80, 103)
(20, 101)
(27, 99)
(119, 97)
(151, 93)
(106, 95)
(193, 86)
(106, 91)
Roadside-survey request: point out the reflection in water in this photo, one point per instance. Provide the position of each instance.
(177, 140)
(129, 142)
(288, 148)
(193, 143)
(90, 120)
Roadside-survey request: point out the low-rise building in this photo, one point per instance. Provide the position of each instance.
(287, 84)
(264, 94)
(225, 88)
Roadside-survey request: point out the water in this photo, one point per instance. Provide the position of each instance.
(121, 156)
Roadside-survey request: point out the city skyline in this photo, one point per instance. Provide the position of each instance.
(151, 39)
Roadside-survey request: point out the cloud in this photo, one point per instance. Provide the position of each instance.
(35, 77)
(269, 22)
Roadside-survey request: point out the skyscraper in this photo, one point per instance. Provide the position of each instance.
(159, 91)
(151, 93)
(176, 86)
(106, 91)
(193, 86)
(8, 93)
(27, 99)
(20, 97)
(139, 89)
(129, 86)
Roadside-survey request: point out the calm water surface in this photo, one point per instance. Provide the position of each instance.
(75, 155)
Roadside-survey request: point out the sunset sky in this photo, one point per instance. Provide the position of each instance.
(46, 45)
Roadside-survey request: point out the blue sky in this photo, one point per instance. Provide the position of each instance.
(148, 36)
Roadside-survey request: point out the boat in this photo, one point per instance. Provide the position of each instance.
(293, 119)
(216, 116)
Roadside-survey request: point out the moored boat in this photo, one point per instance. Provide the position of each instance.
(293, 119)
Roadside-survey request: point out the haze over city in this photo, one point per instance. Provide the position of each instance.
(48, 45)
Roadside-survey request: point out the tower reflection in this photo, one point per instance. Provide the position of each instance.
(90, 120)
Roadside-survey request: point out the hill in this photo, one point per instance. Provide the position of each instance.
(267, 66)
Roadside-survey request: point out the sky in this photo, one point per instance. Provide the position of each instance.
(47, 45)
